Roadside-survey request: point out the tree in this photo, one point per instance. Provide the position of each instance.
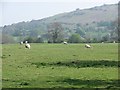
(94, 40)
(103, 23)
(113, 27)
(55, 33)
(39, 40)
(79, 30)
(106, 38)
(7, 39)
(29, 39)
(75, 38)
(118, 28)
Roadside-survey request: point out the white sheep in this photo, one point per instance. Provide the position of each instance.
(87, 46)
(27, 45)
(26, 42)
(65, 42)
(21, 43)
(114, 42)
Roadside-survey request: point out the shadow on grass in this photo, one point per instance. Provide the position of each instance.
(79, 64)
(72, 84)
(91, 83)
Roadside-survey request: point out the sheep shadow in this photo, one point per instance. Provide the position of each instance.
(81, 63)
(91, 83)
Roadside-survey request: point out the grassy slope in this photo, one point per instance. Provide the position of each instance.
(44, 66)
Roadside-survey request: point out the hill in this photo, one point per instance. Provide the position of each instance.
(94, 22)
(95, 14)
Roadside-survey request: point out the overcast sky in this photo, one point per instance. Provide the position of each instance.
(13, 11)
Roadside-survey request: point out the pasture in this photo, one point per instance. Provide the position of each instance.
(60, 66)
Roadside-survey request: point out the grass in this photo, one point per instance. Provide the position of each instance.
(59, 65)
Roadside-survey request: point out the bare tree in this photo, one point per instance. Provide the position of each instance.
(55, 32)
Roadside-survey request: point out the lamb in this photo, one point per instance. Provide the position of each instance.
(27, 45)
(65, 42)
(21, 43)
(113, 41)
(26, 42)
(87, 46)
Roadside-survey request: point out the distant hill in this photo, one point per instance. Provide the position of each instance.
(94, 22)
(95, 14)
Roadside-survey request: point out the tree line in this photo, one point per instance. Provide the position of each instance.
(55, 34)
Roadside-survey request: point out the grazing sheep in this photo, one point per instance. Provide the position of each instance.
(65, 42)
(87, 46)
(113, 41)
(27, 45)
(21, 43)
(102, 42)
(26, 42)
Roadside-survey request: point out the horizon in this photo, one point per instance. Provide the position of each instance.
(16, 12)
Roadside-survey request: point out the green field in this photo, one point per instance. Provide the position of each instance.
(60, 66)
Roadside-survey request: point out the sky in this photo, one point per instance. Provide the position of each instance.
(14, 11)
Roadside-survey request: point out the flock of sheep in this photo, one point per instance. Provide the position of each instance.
(27, 45)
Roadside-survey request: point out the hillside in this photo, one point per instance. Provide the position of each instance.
(95, 14)
(94, 22)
